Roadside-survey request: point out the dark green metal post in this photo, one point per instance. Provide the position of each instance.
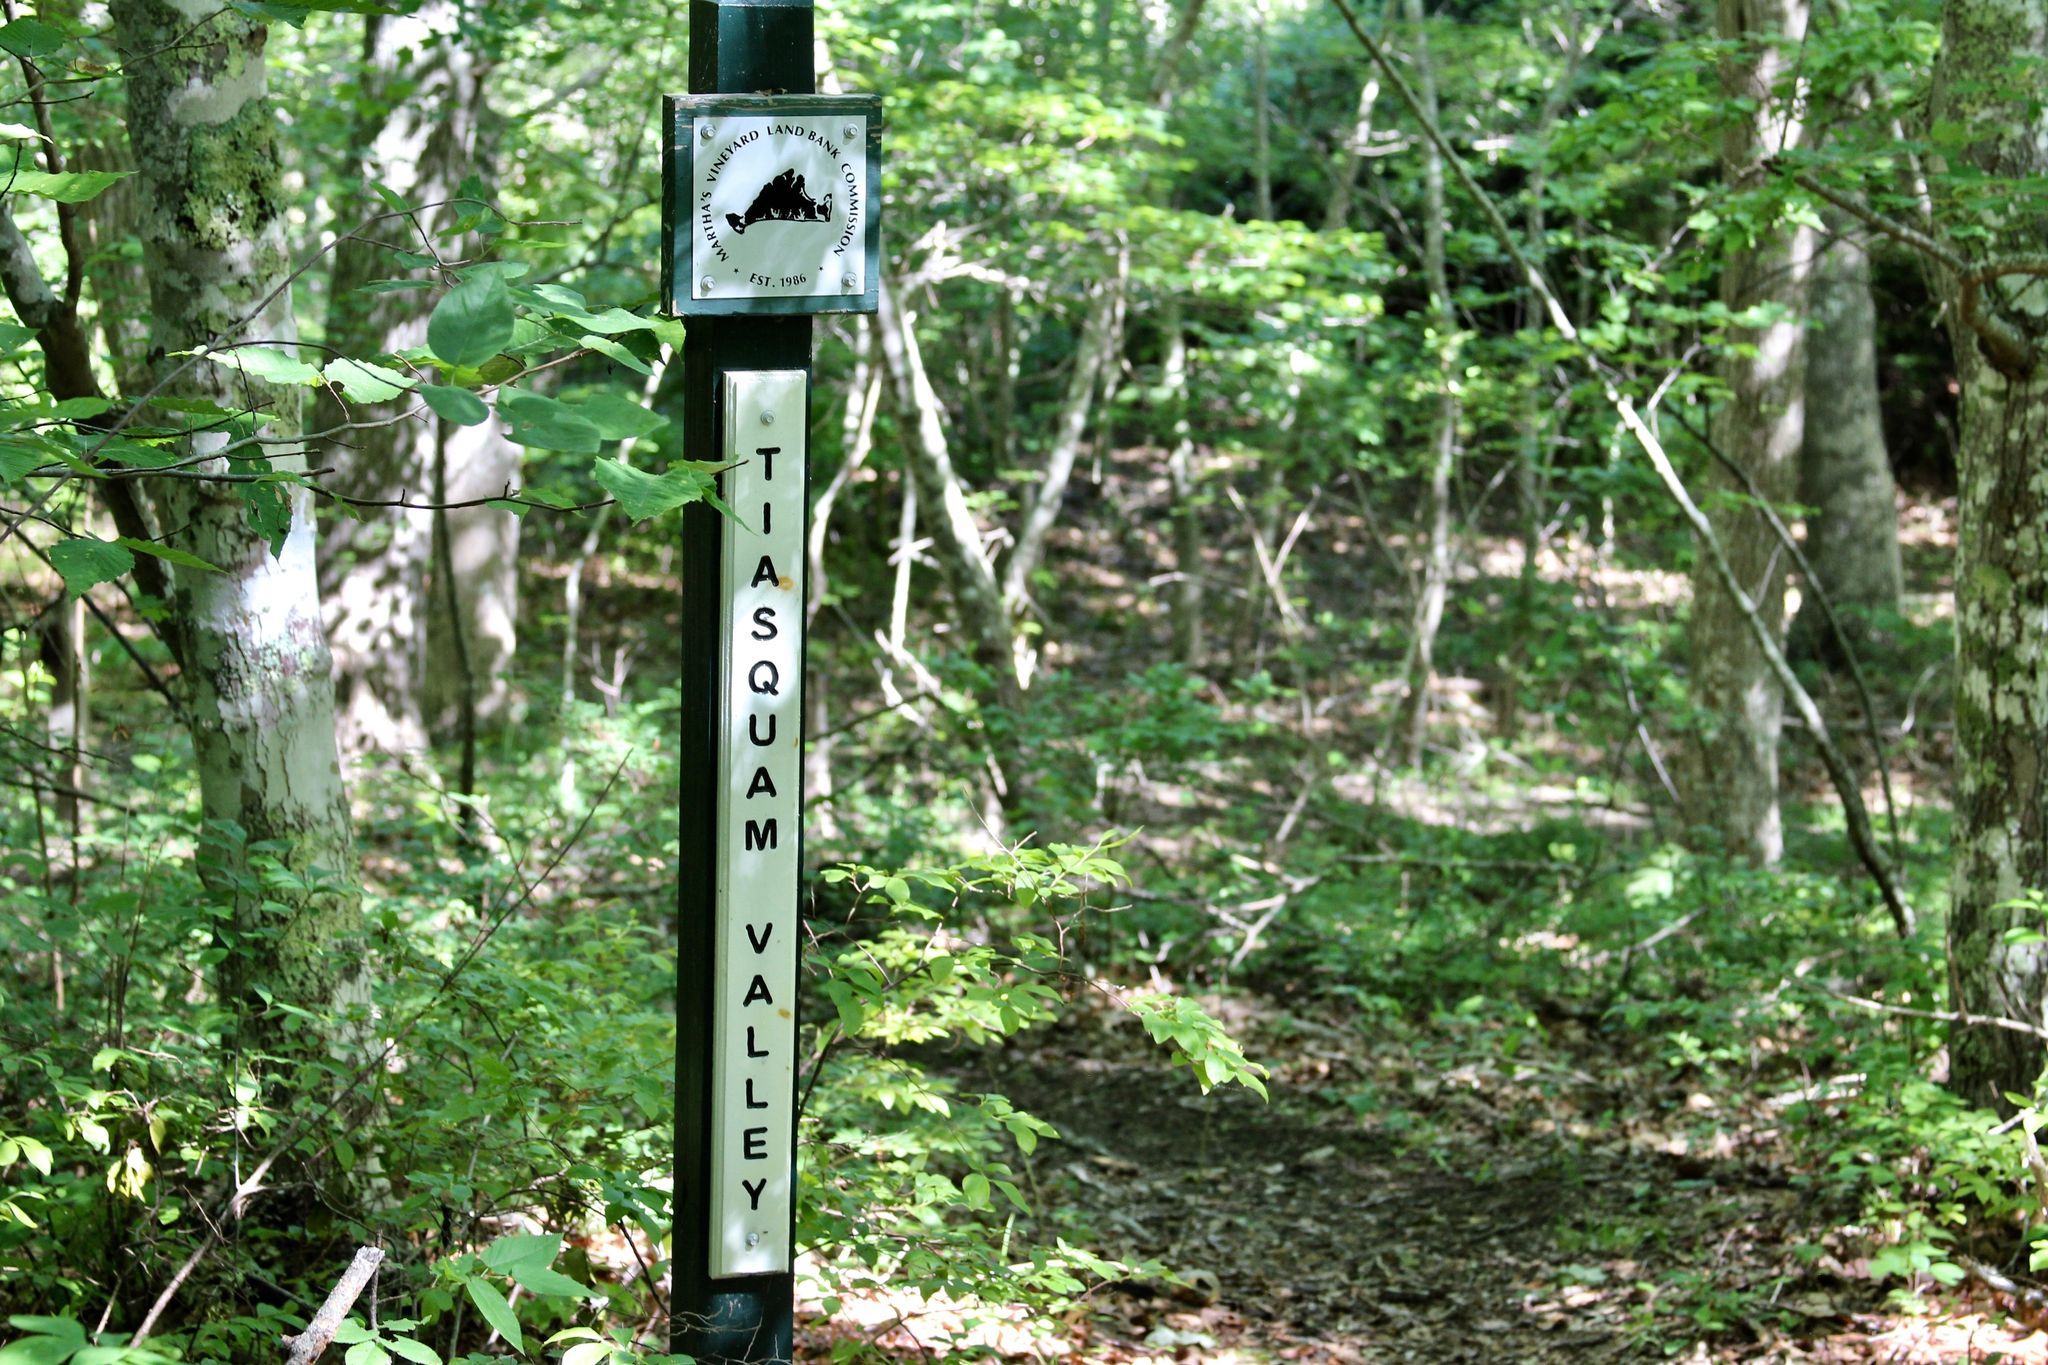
(739, 47)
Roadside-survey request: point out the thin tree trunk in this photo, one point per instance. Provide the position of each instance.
(1436, 564)
(863, 398)
(1167, 59)
(255, 657)
(1760, 428)
(1532, 465)
(2001, 763)
(1188, 631)
(1351, 158)
(905, 557)
(1042, 506)
(66, 655)
(1852, 537)
(1262, 119)
(956, 540)
(1009, 358)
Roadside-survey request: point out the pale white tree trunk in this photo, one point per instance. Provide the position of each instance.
(1092, 353)
(376, 564)
(254, 655)
(956, 539)
(483, 550)
(1351, 158)
(2001, 688)
(1759, 427)
(1188, 627)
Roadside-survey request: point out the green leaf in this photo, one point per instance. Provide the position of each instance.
(414, 1350)
(518, 1250)
(19, 456)
(459, 406)
(473, 322)
(496, 1311)
(38, 1155)
(617, 417)
(31, 37)
(76, 409)
(366, 1353)
(550, 1283)
(270, 512)
(363, 382)
(18, 132)
(613, 321)
(183, 559)
(975, 1187)
(642, 495)
(84, 562)
(294, 12)
(350, 1332)
(66, 187)
(536, 420)
(51, 1341)
(267, 364)
(607, 347)
(295, 15)
(35, 1350)
(589, 1353)
(120, 1355)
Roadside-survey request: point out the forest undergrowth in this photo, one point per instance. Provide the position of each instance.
(1494, 1069)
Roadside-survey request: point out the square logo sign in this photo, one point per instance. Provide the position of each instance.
(780, 207)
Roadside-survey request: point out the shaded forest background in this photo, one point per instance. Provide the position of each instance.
(1427, 669)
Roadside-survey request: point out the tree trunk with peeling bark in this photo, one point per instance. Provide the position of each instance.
(1759, 427)
(2001, 688)
(423, 83)
(254, 655)
(473, 633)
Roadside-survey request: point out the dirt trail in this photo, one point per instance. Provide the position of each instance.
(1308, 1237)
(1317, 1240)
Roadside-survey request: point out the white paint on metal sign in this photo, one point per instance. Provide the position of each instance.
(753, 1030)
(779, 206)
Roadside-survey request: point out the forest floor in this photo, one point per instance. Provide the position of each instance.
(1573, 1205)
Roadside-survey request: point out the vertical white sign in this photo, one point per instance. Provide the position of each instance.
(753, 1030)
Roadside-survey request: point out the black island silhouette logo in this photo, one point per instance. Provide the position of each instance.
(810, 172)
(782, 200)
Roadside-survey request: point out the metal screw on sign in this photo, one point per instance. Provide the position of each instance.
(852, 130)
(705, 132)
(705, 284)
(846, 281)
